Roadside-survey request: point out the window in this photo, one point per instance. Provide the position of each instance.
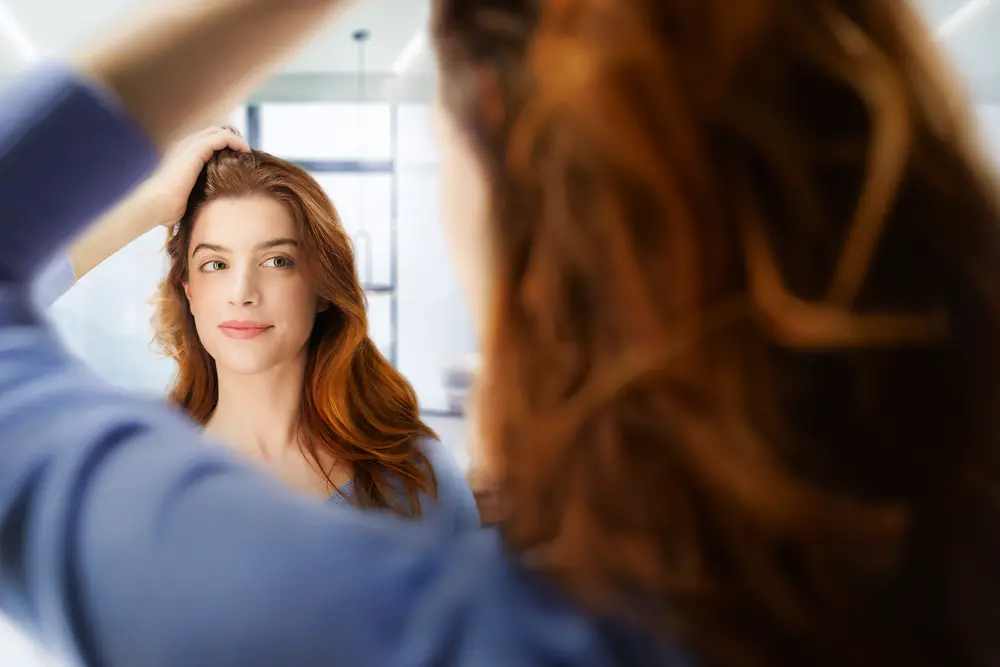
(364, 203)
(323, 131)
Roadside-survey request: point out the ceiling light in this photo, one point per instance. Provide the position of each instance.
(410, 52)
(15, 36)
(960, 17)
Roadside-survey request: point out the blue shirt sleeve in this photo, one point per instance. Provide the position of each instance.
(125, 540)
(455, 510)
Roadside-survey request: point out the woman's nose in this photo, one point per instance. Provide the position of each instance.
(244, 289)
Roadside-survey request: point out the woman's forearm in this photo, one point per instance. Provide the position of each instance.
(190, 60)
(185, 63)
(126, 222)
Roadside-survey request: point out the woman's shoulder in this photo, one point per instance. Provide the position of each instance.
(455, 506)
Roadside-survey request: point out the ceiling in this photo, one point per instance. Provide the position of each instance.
(974, 46)
(391, 23)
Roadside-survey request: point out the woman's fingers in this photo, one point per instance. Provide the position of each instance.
(199, 148)
(207, 141)
(220, 139)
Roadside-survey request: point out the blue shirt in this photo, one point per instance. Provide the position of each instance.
(125, 541)
(454, 510)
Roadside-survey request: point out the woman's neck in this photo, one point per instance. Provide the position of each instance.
(259, 415)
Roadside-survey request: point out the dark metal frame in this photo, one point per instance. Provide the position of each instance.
(362, 167)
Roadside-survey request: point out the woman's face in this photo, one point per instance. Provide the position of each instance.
(252, 304)
(464, 204)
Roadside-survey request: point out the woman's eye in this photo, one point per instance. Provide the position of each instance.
(214, 265)
(279, 263)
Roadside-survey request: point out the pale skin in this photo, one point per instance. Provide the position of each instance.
(244, 266)
(464, 206)
(245, 271)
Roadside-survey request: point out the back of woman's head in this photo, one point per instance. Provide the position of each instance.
(742, 362)
(356, 408)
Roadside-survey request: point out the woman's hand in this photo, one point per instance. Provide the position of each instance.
(159, 201)
(168, 189)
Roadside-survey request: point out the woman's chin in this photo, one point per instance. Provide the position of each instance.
(246, 362)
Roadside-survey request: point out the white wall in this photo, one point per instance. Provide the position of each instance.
(16, 650)
(105, 318)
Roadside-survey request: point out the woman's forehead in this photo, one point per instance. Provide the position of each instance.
(243, 223)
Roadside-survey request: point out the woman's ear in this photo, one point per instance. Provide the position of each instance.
(322, 305)
(187, 289)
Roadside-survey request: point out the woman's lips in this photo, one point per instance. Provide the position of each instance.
(243, 330)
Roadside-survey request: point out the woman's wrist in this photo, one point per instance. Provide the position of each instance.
(137, 214)
(151, 209)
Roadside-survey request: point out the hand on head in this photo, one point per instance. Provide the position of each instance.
(171, 184)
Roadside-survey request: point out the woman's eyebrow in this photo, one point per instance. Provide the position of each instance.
(273, 243)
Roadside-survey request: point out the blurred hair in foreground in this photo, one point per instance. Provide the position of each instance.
(741, 375)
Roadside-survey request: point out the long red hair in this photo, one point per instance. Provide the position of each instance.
(742, 376)
(356, 408)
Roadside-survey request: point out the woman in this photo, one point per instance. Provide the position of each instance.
(262, 312)
(737, 269)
